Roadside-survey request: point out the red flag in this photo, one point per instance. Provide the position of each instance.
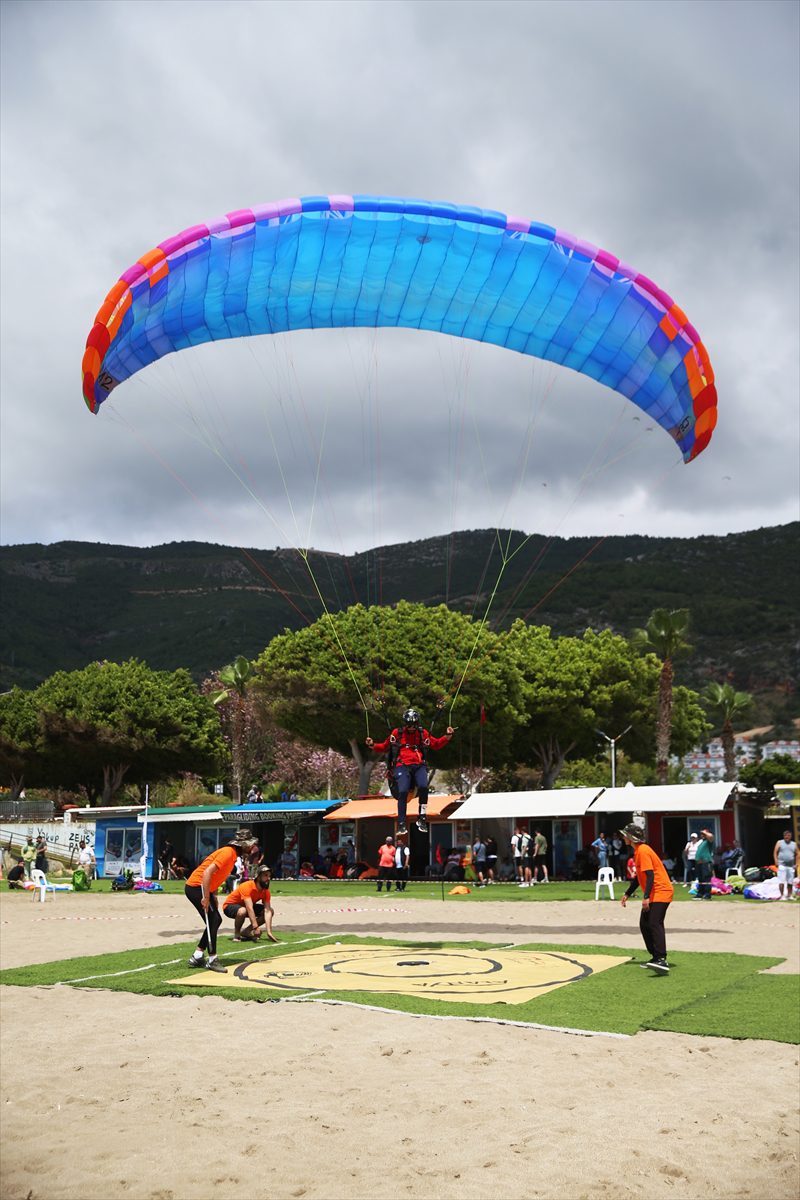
(483, 715)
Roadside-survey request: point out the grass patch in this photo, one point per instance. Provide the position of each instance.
(760, 1006)
(707, 994)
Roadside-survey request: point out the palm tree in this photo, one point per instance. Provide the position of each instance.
(725, 704)
(235, 679)
(664, 636)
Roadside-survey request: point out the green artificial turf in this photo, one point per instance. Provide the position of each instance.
(706, 994)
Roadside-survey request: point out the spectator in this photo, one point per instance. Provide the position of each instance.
(654, 882)
(689, 855)
(454, 867)
(540, 857)
(787, 861)
(491, 859)
(40, 862)
(288, 863)
(402, 858)
(519, 849)
(600, 847)
(617, 856)
(351, 852)
(252, 795)
(86, 859)
(164, 860)
(386, 863)
(479, 860)
(28, 855)
(703, 864)
(16, 876)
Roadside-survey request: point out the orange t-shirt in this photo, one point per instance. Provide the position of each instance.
(222, 860)
(256, 894)
(646, 859)
(386, 856)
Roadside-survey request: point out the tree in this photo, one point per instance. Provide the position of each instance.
(763, 775)
(242, 721)
(664, 636)
(572, 686)
(408, 654)
(19, 728)
(112, 722)
(725, 703)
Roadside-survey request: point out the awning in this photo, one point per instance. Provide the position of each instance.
(292, 810)
(386, 806)
(575, 802)
(683, 798)
(562, 802)
(178, 815)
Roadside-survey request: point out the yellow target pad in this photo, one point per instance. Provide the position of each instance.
(469, 976)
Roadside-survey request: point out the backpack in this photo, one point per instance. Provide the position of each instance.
(80, 880)
(123, 882)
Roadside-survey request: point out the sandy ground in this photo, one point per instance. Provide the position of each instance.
(106, 1094)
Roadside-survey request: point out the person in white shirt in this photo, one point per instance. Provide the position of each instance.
(689, 853)
(787, 861)
(86, 859)
(402, 858)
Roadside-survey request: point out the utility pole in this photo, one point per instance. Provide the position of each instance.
(613, 743)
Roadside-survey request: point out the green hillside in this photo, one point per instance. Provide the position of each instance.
(197, 605)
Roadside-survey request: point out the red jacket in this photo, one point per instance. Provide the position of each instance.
(412, 744)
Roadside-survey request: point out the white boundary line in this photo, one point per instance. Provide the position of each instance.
(397, 1012)
(171, 962)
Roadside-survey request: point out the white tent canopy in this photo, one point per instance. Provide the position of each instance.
(563, 802)
(683, 798)
(574, 802)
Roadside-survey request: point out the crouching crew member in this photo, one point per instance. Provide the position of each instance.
(251, 901)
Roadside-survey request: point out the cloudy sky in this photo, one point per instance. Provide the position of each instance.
(664, 132)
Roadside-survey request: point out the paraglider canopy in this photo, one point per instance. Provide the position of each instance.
(324, 261)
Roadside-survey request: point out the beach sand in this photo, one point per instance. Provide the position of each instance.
(109, 1094)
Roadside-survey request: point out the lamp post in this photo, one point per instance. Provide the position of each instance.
(613, 743)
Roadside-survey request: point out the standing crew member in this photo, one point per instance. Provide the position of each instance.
(409, 744)
(652, 877)
(386, 854)
(200, 889)
(251, 900)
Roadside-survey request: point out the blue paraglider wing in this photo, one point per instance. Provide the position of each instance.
(325, 261)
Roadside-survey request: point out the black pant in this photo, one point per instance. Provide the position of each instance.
(704, 879)
(386, 873)
(195, 895)
(401, 878)
(651, 924)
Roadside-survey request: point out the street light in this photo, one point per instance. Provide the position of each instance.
(613, 743)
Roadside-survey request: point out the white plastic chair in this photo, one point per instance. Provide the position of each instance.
(605, 878)
(41, 886)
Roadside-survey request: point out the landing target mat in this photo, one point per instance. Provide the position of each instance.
(469, 976)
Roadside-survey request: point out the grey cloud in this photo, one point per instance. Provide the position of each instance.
(664, 132)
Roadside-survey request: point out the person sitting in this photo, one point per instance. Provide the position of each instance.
(288, 864)
(177, 870)
(16, 877)
(453, 868)
(251, 901)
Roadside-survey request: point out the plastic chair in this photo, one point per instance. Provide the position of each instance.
(605, 878)
(39, 880)
(736, 867)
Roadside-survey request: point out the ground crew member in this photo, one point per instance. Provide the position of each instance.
(386, 864)
(251, 900)
(201, 887)
(652, 878)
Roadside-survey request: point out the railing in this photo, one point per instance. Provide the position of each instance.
(27, 810)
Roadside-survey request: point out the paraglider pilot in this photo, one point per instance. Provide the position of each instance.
(406, 747)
